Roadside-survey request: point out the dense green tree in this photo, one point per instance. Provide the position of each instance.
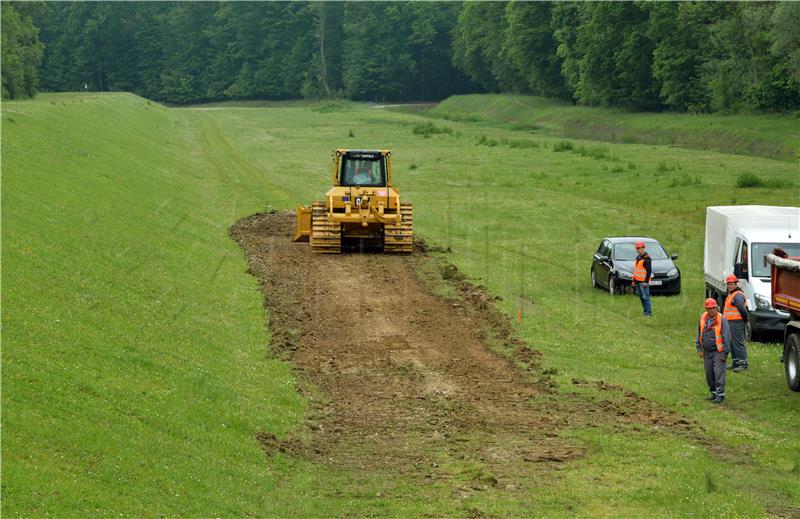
(188, 52)
(430, 41)
(325, 77)
(377, 59)
(531, 47)
(565, 21)
(21, 54)
(785, 37)
(478, 47)
(616, 56)
(683, 44)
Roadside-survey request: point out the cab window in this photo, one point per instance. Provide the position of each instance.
(363, 169)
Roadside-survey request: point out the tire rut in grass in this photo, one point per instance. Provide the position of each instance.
(401, 381)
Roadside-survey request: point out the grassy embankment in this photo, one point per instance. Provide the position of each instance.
(134, 373)
(771, 136)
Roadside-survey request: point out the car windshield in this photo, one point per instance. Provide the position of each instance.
(363, 169)
(762, 269)
(627, 251)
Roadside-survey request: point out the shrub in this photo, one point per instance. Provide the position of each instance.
(519, 143)
(751, 180)
(663, 166)
(487, 142)
(748, 180)
(428, 128)
(563, 146)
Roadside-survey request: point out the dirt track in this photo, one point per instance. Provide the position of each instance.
(401, 380)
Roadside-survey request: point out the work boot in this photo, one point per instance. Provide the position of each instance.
(712, 397)
(739, 369)
(718, 400)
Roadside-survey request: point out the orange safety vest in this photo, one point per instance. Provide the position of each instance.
(639, 272)
(717, 330)
(731, 313)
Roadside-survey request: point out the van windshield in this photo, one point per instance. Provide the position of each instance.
(762, 269)
(627, 251)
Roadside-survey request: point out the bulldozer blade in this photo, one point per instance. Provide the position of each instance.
(303, 230)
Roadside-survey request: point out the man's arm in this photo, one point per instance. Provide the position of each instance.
(726, 335)
(738, 302)
(698, 339)
(648, 265)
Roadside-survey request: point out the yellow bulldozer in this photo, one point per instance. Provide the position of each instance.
(362, 209)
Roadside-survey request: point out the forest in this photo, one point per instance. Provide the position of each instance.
(677, 56)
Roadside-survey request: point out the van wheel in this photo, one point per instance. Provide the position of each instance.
(791, 361)
(594, 279)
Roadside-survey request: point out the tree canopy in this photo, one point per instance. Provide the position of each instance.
(686, 56)
(21, 54)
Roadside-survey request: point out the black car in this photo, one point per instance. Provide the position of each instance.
(612, 266)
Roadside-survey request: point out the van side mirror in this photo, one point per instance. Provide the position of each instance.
(674, 256)
(738, 270)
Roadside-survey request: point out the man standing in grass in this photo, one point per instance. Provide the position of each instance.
(713, 344)
(735, 313)
(642, 272)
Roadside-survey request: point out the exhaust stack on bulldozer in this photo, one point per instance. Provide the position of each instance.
(362, 206)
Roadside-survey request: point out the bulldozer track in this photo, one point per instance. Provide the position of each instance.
(326, 236)
(399, 239)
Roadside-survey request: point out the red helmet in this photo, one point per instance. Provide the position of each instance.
(711, 302)
(640, 244)
(731, 279)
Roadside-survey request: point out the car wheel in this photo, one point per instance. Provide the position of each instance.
(613, 289)
(594, 279)
(791, 361)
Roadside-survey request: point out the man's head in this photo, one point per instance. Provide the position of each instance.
(639, 247)
(711, 307)
(732, 282)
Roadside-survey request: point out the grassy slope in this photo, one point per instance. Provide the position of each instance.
(761, 135)
(134, 372)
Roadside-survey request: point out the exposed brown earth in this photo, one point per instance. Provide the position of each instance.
(402, 381)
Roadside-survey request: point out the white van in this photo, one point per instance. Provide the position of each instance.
(738, 238)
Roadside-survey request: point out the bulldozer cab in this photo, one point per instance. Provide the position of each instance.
(362, 169)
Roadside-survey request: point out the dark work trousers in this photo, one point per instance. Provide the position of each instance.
(643, 291)
(738, 349)
(714, 363)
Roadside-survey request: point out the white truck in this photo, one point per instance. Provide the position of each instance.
(738, 239)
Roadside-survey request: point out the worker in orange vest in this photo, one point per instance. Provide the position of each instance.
(713, 343)
(735, 312)
(642, 273)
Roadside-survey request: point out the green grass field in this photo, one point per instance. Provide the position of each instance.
(771, 136)
(135, 372)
